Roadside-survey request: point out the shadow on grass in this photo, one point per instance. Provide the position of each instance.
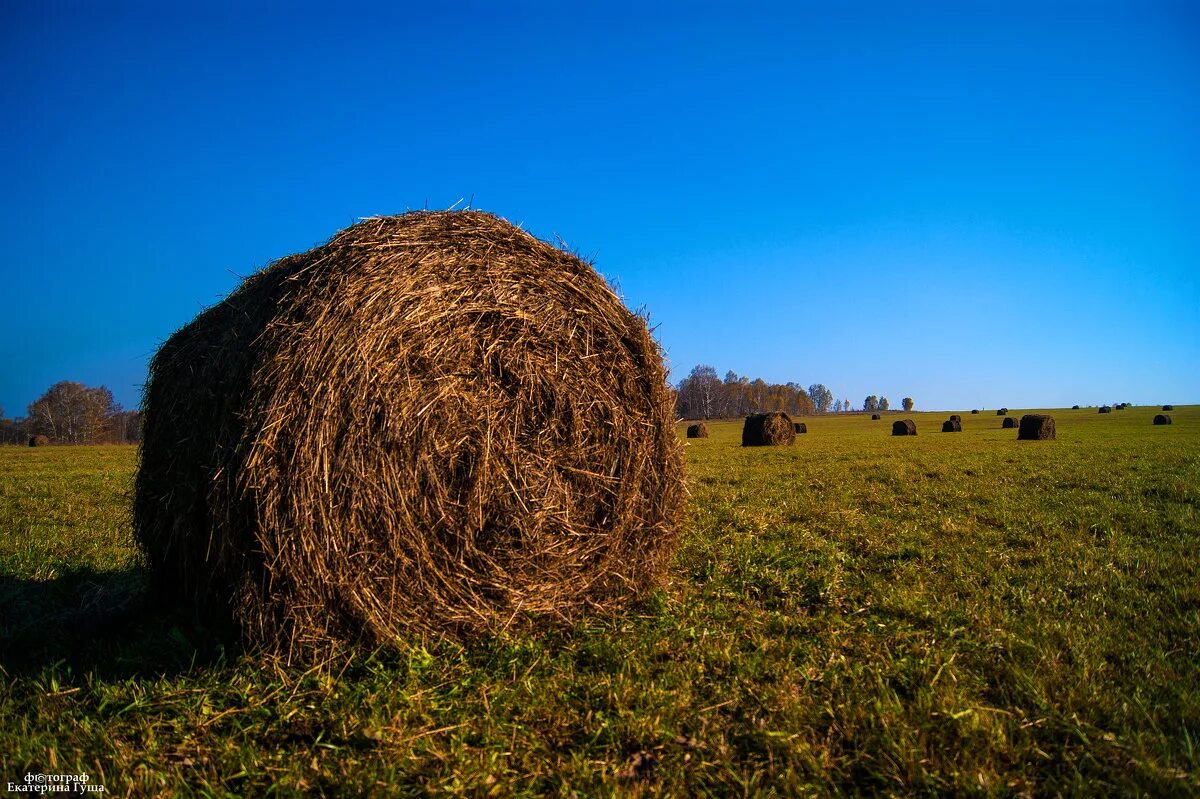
(108, 623)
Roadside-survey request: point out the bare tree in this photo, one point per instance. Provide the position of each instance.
(72, 413)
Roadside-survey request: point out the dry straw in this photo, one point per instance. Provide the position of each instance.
(698, 430)
(435, 423)
(768, 430)
(904, 427)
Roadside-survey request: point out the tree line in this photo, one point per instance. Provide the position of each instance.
(72, 413)
(704, 395)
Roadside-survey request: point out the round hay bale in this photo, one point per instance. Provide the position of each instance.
(1009, 422)
(974, 410)
(698, 430)
(1002, 412)
(904, 427)
(768, 429)
(1074, 407)
(952, 425)
(875, 417)
(1162, 418)
(800, 427)
(1036, 427)
(954, 417)
(435, 423)
(1168, 407)
(1105, 409)
(39, 441)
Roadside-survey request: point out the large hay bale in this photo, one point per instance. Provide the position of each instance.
(956, 418)
(39, 441)
(952, 425)
(1036, 427)
(904, 427)
(1168, 407)
(800, 427)
(768, 429)
(698, 430)
(1162, 418)
(435, 424)
(875, 417)
(1105, 409)
(1009, 422)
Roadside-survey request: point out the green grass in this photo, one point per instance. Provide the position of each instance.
(856, 614)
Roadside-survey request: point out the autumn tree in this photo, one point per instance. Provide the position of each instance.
(883, 403)
(72, 413)
(822, 397)
(871, 403)
(907, 402)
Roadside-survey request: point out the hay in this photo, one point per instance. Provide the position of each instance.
(1162, 418)
(800, 427)
(768, 429)
(39, 441)
(975, 410)
(433, 424)
(1168, 407)
(1002, 412)
(875, 417)
(698, 430)
(1036, 427)
(1009, 422)
(954, 417)
(1074, 407)
(952, 425)
(1105, 409)
(904, 427)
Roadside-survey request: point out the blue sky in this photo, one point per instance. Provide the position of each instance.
(972, 205)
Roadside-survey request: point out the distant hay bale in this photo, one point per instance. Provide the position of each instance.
(1162, 418)
(801, 427)
(433, 424)
(974, 410)
(39, 441)
(768, 429)
(954, 417)
(1074, 407)
(1168, 407)
(1009, 422)
(952, 425)
(699, 430)
(1036, 427)
(1105, 409)
(904, 427)
(1002, 412)
(875, 417)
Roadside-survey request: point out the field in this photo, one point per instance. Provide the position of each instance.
(856, 614)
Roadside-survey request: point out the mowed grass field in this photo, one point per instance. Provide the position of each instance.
(856, 614)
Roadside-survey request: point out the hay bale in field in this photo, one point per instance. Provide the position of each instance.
(39, 441)
(875, 417)
(1002, 412)
(1009, 422)
(904, 427)
(1162, 418)
(1105, 409)
(432, 424)
(954, 417)
(801, 427)
(1168, 407)
(1074, 407)
(768, 429)
(974, 410)
(1036, 427)
(699, 430)
(952, 425)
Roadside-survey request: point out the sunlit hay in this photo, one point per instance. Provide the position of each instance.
(39, 441)
(954, 417)
(434, 424)
(698, 430)
(904, 427)
(1036, 427)
(768, 429)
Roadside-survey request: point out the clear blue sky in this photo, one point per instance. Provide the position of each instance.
(972, 205)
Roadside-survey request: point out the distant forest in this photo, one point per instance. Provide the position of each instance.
(704, 395)
(72, 413)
